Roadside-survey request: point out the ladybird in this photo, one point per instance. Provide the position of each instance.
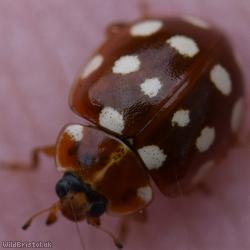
(164, 99)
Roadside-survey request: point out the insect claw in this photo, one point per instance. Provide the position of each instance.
(26, 225)
(51, 218)
(119, 244)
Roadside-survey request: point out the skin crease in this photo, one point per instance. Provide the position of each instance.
(43, 43)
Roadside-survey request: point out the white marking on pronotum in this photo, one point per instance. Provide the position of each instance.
(236, 115)
(112, 120)
(181, 118)
(152, 156)
(196, 22)
(92, 66)
(203, 171)
(75, 131)
(221, 79)
(184, 45)
(151, 87)
(146, 28)
(126, 64)
(206, 139)
(145, 193)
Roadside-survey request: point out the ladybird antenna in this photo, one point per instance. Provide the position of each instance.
(77, 227)
(51, 218)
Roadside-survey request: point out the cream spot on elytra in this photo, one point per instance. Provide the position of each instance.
(126, 64)
(151, 87)
(236, 115)
(145, 193)
(111, 119)
(184, 45)
(152, 156)
(92, 66)
(75, 131)
(146, 28)
(206, 139)
(221, 79)
(181, 118)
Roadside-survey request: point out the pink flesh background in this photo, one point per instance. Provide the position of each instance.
(43, 45)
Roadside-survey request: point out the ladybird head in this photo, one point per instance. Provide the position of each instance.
(77, 199)
(77, 202)
(94, 162)
(89, 158)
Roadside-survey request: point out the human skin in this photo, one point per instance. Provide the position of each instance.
(43, 45)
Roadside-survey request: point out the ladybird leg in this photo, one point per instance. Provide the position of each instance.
(144, 9)
(124, 228)
(52, 217)
(204, 188)
(139, 217)
(49, 150)
(115, 28)
(35, 159)
(201, 187)
(96, 222)
(242, 141)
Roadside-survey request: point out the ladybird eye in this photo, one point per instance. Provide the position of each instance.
(62, 188)
(98, 207)
(68, 183)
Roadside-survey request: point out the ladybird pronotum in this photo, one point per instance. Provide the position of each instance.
(164, 97)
